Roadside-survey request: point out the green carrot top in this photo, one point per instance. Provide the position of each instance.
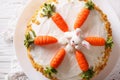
(87, 75)
(29, 38)
(48, 10)
(89, 5)
(49, 71)
(109, 42)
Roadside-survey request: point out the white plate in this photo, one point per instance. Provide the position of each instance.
(21, 51)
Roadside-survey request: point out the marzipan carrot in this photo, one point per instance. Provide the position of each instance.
(59, 21)
(58, 58)
(82, 62)
(44, 40)
(49, 11)
(96, 41)
(83, 14)
(38, 40)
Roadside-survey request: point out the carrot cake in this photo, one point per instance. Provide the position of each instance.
(68, 40)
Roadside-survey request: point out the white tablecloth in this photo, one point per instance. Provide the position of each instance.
(9, 11)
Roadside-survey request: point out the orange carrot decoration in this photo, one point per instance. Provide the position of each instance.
(96, 41)
(82, 62)
(59, 21)
(83, 14)
(58, 58)
(44, 40)
(30, 38)
(49, 11)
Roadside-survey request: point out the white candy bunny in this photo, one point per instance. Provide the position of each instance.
(74, 40)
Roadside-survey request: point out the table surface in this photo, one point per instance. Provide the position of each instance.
(8, 10)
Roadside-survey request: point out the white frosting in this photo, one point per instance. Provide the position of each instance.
(93, 26)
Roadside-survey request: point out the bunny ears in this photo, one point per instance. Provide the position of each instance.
(78, 31)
